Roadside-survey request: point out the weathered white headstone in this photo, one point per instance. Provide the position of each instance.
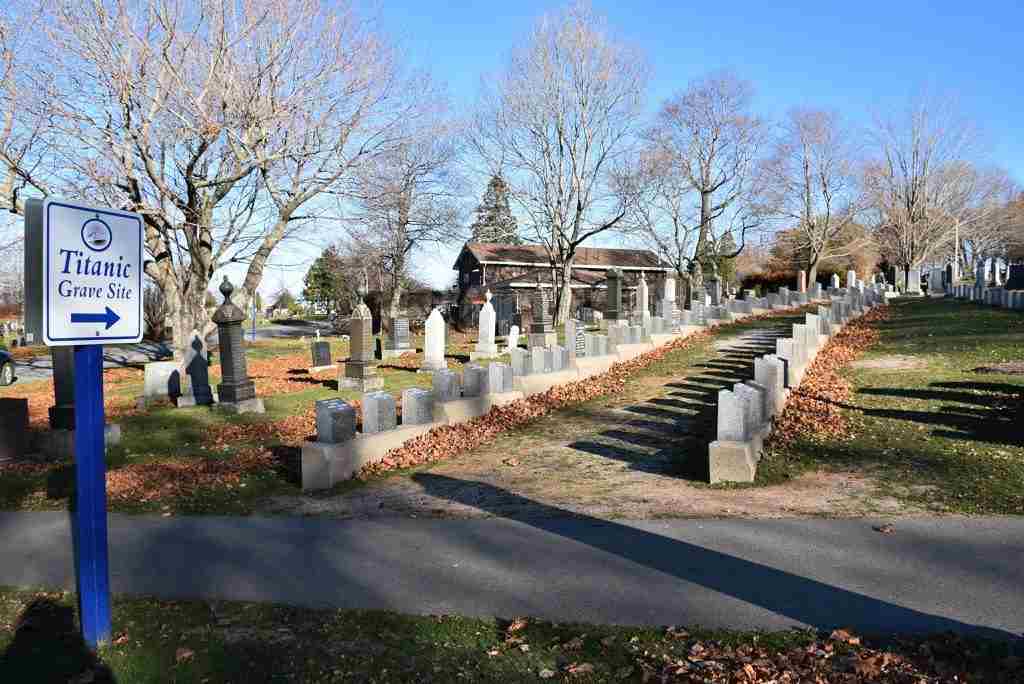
(752, 406)
(520, 359)
(417, 406)
(731, 417)
(434, 342)
(473, 379)
(445, 384)
(379, 412)
(513, 338)
(499, 378)
(835, 281)
(851, 279)
(770, 373)
(539, 362)
(485, 346)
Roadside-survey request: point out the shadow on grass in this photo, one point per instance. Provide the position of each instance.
(967, 416)
(673, 432)
(47, 647)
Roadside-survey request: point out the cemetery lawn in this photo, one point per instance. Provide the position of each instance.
(638, 453)
(195, 641)
(931, 421)
(197, 460)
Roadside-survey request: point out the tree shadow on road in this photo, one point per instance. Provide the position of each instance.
(820, 605)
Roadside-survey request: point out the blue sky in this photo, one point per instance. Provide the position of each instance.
(856, 57)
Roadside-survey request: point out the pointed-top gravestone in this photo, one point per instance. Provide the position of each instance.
(513, 338)
(835, 281)
(644, 296)
(360, 369)
(485, 346)
(434, 343)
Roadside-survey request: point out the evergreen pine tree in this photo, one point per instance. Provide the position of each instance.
(494, 219)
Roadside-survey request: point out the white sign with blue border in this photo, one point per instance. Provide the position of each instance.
(92, 275)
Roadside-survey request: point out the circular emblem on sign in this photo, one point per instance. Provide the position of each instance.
(96, 234)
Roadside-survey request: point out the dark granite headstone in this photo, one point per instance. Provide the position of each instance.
(235, 386)
(13, 428)
(1015, 280)
(320, 350)
(399, 339)
(613, 305)
(62, 413)
(541, 322)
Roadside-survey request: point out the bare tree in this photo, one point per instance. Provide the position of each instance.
(924, 185)
(715, 141)
(408, 197)
(557, 122)
(221, 123)
(811, 184)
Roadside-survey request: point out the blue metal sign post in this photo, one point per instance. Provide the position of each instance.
(83, 289)
(91, 564)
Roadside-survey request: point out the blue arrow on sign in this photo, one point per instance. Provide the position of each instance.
(108, 317)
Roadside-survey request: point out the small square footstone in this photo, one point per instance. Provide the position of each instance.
(417, 406)
(379, 413)
(445, 384)
(335, 421)
(473, 379)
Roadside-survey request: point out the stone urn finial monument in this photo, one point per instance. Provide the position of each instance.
(236, 392)
(360, 369)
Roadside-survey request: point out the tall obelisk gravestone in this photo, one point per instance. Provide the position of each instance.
(236, 392)
(360, 369)
(613, 301)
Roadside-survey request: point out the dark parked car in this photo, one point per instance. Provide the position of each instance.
(6, 368)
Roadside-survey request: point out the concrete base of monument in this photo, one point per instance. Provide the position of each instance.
(543, 339)
(374, 382)
(468, 408)
(320, 369)
(627, 352)
(542, 382)
(188, 400)
(55, 444)
(589, 366)
(731, 462)
(324, 465)
(432, 367)
(245, 406)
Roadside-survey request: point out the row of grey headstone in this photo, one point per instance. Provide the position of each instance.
(539, 360)
(992, 296)
(336, 418)
(749, 406)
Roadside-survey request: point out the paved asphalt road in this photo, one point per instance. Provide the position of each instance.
(933, 574)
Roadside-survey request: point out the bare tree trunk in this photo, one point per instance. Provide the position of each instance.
(564, 294)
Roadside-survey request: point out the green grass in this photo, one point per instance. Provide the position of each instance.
(937, 433)
(195, 642)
